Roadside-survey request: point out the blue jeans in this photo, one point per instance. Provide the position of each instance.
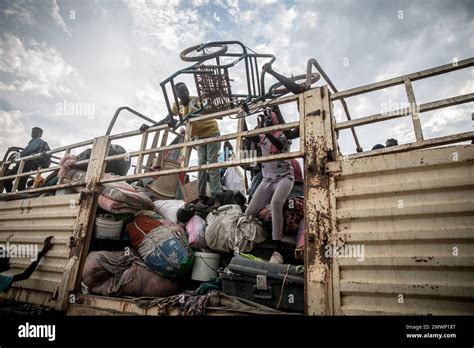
(207, 154)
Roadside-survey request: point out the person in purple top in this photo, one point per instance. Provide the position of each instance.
(277, 182)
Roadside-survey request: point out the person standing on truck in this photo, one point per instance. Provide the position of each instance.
(36, 145)
(207, 153)
(7, 280)
(277, 182)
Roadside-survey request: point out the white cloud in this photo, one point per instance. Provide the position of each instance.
(166, 24)
(22, 13)
(58, 19)
(36, 68)
(13, 131)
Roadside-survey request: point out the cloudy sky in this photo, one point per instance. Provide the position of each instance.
(103, 54)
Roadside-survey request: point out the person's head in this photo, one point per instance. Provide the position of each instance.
(182, 92)
(36, 132)
(378, 146)
(391, 142)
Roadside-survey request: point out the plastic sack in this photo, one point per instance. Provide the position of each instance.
(234, 180)
(169, 208)
(195, 229)
(229, 231)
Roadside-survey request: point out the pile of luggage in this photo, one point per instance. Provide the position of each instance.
(164, 247)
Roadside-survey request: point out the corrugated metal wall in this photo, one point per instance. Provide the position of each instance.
(30, 221)
(413, 213)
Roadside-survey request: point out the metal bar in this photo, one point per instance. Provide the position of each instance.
(59, 149)
(236, 110)
(220, 138)
(277, 157)
(253, 77)
(450, 139)
(44, 170)
(129, 109)
(313, 62)
(317, 212)
(142, 147)
(259, 91)
(161, 157)
(138, 132)
(413, 110)
(438, 104)
(45, 189)
(419, 75)
(186, 148)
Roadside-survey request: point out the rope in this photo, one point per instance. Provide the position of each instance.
(283, 285)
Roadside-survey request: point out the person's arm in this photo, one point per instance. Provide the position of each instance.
(278, 143)
(32, 267)
(292, 133)
(253, 139)
(34, 146)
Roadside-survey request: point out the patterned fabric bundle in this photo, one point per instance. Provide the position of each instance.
(162, 245)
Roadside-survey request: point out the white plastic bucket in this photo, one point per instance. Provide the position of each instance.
(107, 228)
(205, 266)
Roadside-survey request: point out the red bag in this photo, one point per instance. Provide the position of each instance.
(146, 224)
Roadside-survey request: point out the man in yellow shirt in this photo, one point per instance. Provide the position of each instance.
(207, 153)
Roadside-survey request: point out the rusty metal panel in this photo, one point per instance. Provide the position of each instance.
(411, 216)
(26, 223)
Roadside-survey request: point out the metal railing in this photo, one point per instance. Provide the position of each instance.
(144, 170)
(160, 136)
(414, 109)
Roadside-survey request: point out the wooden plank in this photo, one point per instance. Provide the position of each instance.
(423, 74)
(413, 110)
(17, 179)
